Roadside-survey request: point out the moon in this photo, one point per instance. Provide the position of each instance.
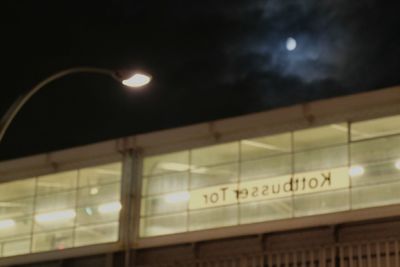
(291, 44)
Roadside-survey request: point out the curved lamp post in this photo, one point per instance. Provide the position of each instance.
(135, 81)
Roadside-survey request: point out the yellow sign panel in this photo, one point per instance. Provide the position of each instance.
(269, 188)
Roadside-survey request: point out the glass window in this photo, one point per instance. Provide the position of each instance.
(15, 227)
(375, 128)
(96, 234)
(265, 210)
(64, 181)
(54, 220)
(99, 194)
(319, 159)
(209, 176)
(230, 184)
(214, 155)
(98, 214)
(165, 183)
(102, 174)
(213, 218)
(375, 173)
(53, 241)
(173, 162)
(53, 210)
(162, 225)
(18, 189)
(321, 136)
(320, 203)
(265, 146)
(375, 195)
(16, 246)
(266, 167)
(170, 203)
(57, 201)
(375, 150)
(16, 208)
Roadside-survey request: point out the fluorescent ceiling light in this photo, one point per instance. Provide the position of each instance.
(262, 145)
(356, 171)
(53, 184)
(173, 166)
(11, 205)
(55, 216)
(94, 191)
(397, 164)
(181, 167)
(8, 223)
(339, 127)
(108, 171)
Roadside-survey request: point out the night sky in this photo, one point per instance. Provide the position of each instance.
(210, 59)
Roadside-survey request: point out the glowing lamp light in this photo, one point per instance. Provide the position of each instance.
(397, 164)
(94, 191)
(137, 80)
(356, 171)
(173, 166)
(5, 224)
(112, 207)
(177, 197)
(180, 167)
(55, 216)
(89, 211)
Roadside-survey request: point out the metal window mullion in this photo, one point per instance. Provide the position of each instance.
(189, 186)
(134, 197)
(292, 169)
(239, 179)
(349, 156)
(76, 189)
(35, 195)
(124, 191)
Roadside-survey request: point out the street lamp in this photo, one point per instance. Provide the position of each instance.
(136, 80)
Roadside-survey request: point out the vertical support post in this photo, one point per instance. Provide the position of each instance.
(128, 224)
(378, 254)
(322, 257)
(136, 188)
(350, 256)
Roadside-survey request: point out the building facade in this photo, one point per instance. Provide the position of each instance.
(317, 184)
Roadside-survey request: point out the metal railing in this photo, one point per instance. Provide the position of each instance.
(383, 253)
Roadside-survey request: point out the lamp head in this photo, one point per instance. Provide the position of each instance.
(133, 79)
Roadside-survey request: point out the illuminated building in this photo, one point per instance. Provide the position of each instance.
(316, 184)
